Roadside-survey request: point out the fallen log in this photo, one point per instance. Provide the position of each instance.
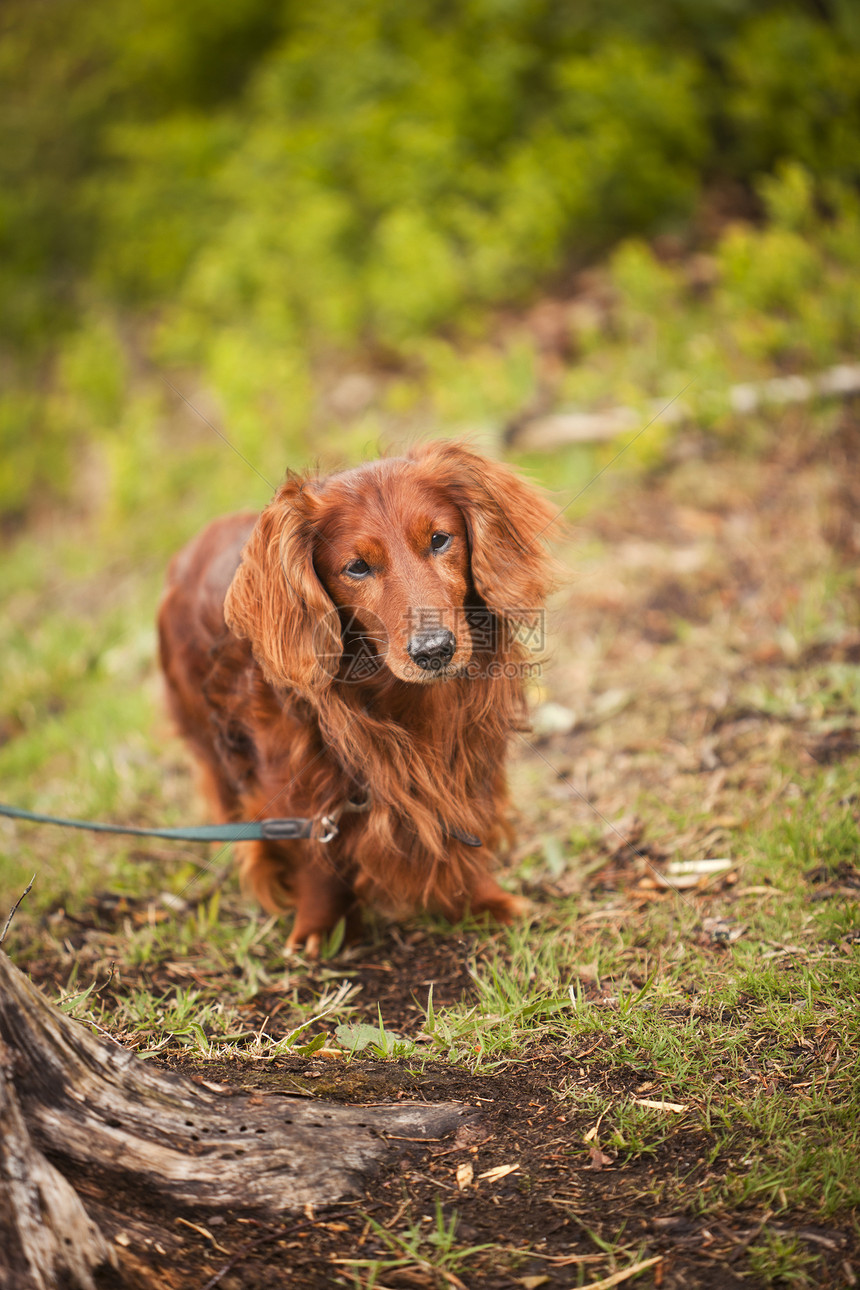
(84, 1124)
(548, 430)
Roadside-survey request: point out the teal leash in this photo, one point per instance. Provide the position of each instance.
(280, 830)
(325, 829)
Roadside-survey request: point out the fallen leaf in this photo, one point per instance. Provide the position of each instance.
(625, 1275)
(532, 1283)
(677, 1107)
(684, 880)
(465, 1174)
(500, 1171)
(598, 1158)
(699, 866)
(471, 1135)
(360, 1036)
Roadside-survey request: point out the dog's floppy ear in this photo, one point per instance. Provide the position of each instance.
(508, 522)
(276, 599)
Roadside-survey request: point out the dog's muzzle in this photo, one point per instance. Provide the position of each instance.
(432, 649)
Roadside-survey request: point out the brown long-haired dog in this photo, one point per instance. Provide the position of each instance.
(360, 644)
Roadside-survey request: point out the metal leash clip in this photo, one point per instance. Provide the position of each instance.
(329, 823)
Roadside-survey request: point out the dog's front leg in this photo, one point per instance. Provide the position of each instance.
(322, 898)
(485, 896)
(293, 875)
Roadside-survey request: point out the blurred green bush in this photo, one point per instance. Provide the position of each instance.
(271, 183)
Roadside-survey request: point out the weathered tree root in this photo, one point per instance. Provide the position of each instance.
(74, 1109)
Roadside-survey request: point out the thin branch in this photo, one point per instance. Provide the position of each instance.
(14, 908)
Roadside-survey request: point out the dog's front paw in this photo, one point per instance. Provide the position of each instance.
(501, 906)
(308, 946)
(317, 926)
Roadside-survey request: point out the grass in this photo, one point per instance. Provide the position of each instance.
(760, 1052)
(758, 1042)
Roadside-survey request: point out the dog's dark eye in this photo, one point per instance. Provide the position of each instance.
(357, 569)
(440, 542)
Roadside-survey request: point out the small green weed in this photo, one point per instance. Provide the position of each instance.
(784, 1260)
(428, 1245)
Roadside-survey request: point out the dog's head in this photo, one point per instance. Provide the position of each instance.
(409, 563)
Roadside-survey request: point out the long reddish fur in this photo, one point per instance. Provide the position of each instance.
(250, 610)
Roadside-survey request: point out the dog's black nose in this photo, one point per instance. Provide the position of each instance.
(432, 649)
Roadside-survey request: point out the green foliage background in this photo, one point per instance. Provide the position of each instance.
(258, 190)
